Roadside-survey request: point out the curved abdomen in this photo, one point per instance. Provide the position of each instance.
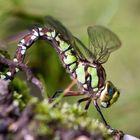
(89, 76)
(65, 50)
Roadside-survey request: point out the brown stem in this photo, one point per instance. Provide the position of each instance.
(24, 68)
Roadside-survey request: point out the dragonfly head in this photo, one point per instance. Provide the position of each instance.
(109, 95)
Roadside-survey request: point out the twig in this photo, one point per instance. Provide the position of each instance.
(24, 68)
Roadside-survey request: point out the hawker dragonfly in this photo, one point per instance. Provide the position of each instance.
(83, 63)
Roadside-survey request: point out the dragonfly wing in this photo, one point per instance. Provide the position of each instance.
(66, 34)
(86, 53)
(102, 42)
(58, 26)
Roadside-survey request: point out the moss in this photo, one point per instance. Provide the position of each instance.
(64, 116)
(44, 120)
(21, 94)
(3, 53)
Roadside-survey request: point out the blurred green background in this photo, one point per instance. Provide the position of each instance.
(122, 68)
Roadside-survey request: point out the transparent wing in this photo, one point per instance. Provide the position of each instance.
(102, 43)
(88, 55)
(58, 26)
(66, 35)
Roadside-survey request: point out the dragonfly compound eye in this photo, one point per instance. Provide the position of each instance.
(109, 95)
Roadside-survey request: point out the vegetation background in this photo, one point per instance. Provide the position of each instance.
(122, 68)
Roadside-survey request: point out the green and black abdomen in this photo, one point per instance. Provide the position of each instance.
(66, 53)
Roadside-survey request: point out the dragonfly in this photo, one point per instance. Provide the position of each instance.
(83, 63)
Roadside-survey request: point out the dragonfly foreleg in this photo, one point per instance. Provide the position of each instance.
(87, 104)
(99, 110)
(116, 133)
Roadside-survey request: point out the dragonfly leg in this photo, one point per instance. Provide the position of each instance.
(87, 105)
(69, 87)
(66, 91)
(73, 93)
(83, 100)
(116, 133)
(56, 93)
(66, 94)
(99, 110)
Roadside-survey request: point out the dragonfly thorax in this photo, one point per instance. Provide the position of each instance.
(91, 77)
